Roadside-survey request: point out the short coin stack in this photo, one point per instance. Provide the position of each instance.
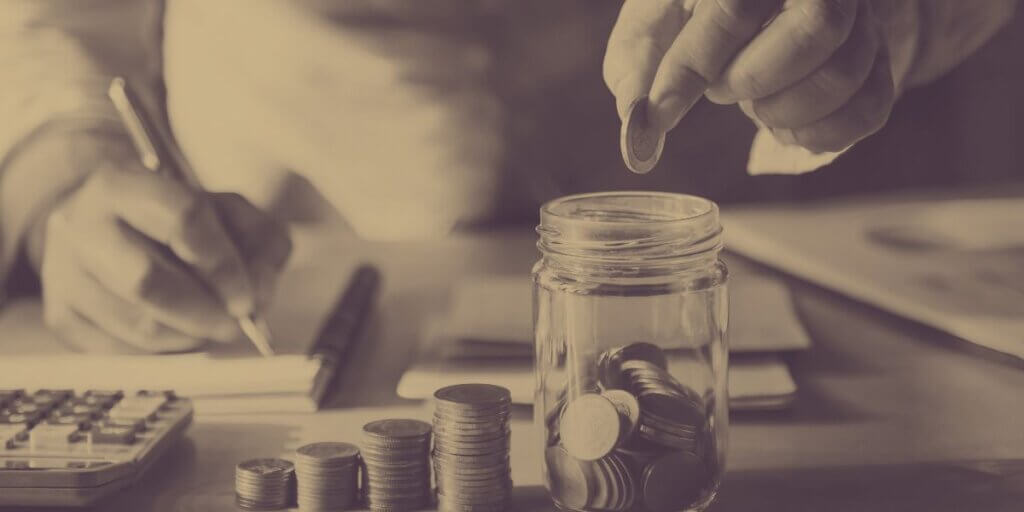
(396, 458)
(644, 439)
(471, 448)
(327, 476)
(264, 484)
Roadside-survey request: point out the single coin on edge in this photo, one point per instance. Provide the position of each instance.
(641, 146)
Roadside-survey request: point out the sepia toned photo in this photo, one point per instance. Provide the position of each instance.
(511, 255)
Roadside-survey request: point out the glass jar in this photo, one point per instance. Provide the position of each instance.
(630, 318)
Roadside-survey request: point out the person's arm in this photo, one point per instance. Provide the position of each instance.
(951, 30)
(56, 59)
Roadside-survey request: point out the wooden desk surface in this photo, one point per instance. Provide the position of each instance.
(874, 390)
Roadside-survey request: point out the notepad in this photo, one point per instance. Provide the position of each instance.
(223, 379)
(487, 336)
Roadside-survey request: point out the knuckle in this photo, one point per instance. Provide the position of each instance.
(747, 84)
(142, 281)
(837, 78)
(187, 213)
(832, 18)
(741, 12)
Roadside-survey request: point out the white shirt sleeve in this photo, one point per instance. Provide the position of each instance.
(56, 59)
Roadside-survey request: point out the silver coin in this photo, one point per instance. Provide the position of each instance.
(328, 451)
(641, 145)
(397, 429)
(473, 395)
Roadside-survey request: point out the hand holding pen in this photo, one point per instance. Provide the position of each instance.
(135, 260)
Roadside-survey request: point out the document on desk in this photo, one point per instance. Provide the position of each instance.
(223, 379)
(953, 264)
(487, 335)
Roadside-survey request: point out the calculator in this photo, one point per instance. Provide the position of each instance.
(59, 447)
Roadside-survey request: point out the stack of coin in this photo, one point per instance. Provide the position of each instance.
(396, 458)
(471, 448)
(644, 439)
(327, 475)
(264, 484)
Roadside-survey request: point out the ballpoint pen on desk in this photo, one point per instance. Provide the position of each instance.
(343, 327)
(158, 157)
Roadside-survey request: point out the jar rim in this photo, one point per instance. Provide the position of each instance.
(556, 208)
(629, 230)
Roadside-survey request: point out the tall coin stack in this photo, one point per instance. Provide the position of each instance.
(327, 476)
(396, 458)
(643, 439)
(471, 448)
(264, 484)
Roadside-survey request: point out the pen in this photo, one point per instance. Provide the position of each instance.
(343, 327)
(158, 158)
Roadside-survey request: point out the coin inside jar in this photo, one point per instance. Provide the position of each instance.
(590, 427)
(641, 145)
(672, 482)
(629, 410)
(569, 484)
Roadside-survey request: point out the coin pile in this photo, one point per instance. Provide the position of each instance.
(396, 458)
(264, 484)
(327, 475)
(471, 448)
(644, 438)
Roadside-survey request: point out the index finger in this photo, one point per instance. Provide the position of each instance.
(714, 34)
(185, 221)
(643, 32)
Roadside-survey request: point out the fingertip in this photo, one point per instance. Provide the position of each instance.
(626, 93)
(235, 287)
(241, 304)
(673, 94)
(720, 94)
(665, 113)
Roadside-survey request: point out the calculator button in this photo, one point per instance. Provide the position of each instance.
(50, 396)
(70, 409)
(10, 394)
(9, 417)
(23, 407)
(111, 435)
(137, 408)
(136, 424)
(108, 398)
(53, 436)
(9, 434)
(99, 402)
(168, 394)
(84, 422)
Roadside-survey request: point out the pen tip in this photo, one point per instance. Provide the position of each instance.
(258, 333)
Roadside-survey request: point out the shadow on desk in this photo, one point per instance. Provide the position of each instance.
(993, 486)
